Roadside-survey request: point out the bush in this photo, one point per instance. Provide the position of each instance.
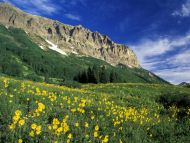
(71, 83)
(34, 77)
(180, 100)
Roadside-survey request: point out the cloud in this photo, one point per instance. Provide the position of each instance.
(39, 7)
(168, 57)
(48, 7)
(184, 10)
(73, 17)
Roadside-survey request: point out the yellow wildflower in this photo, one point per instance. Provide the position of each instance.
(32, 134)
(86, 125)
(33, 126)
(70, 136)
(95, 134)
(21, 122)
(20, 141)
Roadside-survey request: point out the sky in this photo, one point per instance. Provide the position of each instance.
(157, 30)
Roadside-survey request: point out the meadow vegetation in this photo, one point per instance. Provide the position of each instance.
(97, 113)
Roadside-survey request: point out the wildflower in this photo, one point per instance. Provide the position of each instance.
(32, 134)
(33, 126)
(70, 136)
(76, 124)
(38, 130)
(95, 134)
(12, 126)
(20, 141)
(86, 125)
(105, 140)
(18, 112)
(21, 122)
(87, 136)
(96, 128)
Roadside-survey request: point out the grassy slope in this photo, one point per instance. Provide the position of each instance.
(124, 113)
(18, 51)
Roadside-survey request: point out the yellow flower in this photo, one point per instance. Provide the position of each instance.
(86, 125)
(96, 128)
(92, 117)
(18, 112)
(20, 141)
(16, 118)
(56, 121)
(105, 140)
(38, 130)
(32, 134)
(34, 126)
(95, 134)
(12, 126)
(60, 129)
(76, 124)
(70, 136)
(21, 122)
(87, 136)
(68, 141)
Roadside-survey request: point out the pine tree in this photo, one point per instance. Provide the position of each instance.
(113, 77)
(96, 75)
(104, 75)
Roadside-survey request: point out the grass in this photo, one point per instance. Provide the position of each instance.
(115, 113)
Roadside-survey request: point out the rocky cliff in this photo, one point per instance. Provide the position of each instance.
(68, 39)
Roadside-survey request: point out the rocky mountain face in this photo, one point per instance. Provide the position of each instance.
(184, 84)
(66, 38)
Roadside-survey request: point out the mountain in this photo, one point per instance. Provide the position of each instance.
(68, 39)
(41, 49)
(184, 84)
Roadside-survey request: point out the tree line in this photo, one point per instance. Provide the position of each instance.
(97, 74)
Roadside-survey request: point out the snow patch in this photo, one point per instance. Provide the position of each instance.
(55, 48)
(26, 32)
(42, 47)
(74, 52)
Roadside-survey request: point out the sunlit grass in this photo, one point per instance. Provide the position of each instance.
(115, 113)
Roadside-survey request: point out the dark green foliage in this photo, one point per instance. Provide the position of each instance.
(71, 83)
(34, 77)
(114, 77)
(178, 99)
(21, 57)
(96, 75)
(104, 75)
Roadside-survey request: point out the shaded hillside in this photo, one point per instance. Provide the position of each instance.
(21, 57)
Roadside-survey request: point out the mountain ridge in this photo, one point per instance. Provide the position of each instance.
(70, 39)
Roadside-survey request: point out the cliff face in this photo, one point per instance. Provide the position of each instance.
(70, 39)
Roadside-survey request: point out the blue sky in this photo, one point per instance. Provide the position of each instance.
(157, 30)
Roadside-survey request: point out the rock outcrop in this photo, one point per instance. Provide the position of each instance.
(70, 39)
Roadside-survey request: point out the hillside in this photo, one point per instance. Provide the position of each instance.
(114, 113)
(67, 39)
(21, 57)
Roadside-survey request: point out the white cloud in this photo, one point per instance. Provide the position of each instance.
(148, 48)
(39, 7)
(48, 7)
(175, 76)
(73, 17)
(184, 10)
(155, 55)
